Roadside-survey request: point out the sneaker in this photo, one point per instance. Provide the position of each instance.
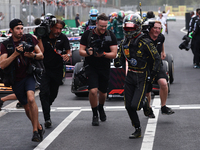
(166, 110)
(102, 114)
(136, 134)
(41, 132)
(95, 121)
(196, 66)
(146, 108)
(1, 104)
(151, 114)
(36, 137)
(48, 123)
(19, 105)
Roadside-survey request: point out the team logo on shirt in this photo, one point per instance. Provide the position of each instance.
(139, 44)
(133, 62)
(126, 51)
(139, 53)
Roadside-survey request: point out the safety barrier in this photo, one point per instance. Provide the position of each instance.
(26, 29)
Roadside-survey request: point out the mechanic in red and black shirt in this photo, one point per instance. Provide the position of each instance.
(158, 40)
(98, 46)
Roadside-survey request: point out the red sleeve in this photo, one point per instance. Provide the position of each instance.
(35, 41)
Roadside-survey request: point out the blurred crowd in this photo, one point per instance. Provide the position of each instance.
(59, 3)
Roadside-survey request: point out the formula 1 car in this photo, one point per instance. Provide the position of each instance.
(74, 36)
(3, 88)
(115, 89)
(117, 75)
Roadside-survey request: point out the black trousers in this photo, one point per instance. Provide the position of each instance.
(134, 90)
(48, 92)
(197, 50)
(193, 49)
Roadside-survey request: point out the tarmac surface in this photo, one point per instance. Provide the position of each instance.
(72, 116)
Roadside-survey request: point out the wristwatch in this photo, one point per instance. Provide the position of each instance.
(68, 55)
(104, 54)
(34, 56)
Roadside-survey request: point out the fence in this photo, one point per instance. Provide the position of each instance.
(14, 9)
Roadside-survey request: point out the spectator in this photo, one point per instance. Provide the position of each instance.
(30, 19)
(1, 18)
(163, 22)
(77, 20)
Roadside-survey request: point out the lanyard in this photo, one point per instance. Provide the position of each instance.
(54, 47)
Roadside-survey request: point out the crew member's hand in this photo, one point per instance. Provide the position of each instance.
(90, 51)
(99, 55)
(163, 55)
(29, 54)
(19, 49)
(65, 57)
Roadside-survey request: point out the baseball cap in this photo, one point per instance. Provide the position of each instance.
(15, 22)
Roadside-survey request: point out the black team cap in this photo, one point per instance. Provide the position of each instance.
(15, 22)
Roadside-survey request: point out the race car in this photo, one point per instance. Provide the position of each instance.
(115, 88)
(117, 75)
(74, 36)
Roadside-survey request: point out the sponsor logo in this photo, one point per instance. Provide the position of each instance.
(116, 91)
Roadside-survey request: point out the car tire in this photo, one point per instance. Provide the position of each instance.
(76, 81)
(64, 75)
(166, 68)
(75, 57)
(169, 59)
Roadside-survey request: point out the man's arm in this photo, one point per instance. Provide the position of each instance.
(40, 44)
(163, 55)
(67, 56)
(79, 22)
(37, 54)
(112, 54)
(85, 53)
(5, 61)
(155, 57)
(120, 60)
(167, 13)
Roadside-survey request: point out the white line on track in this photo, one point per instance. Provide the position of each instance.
(52, 136)
(183, 30)
(149, 135)
(13, 105)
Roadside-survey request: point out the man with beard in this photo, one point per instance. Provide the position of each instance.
(97, 64)
(56, 50)
(15, 61)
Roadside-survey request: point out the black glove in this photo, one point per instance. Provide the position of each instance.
(117, 62)
(87, 51)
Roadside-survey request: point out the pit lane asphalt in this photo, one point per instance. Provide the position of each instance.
(71, 116)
